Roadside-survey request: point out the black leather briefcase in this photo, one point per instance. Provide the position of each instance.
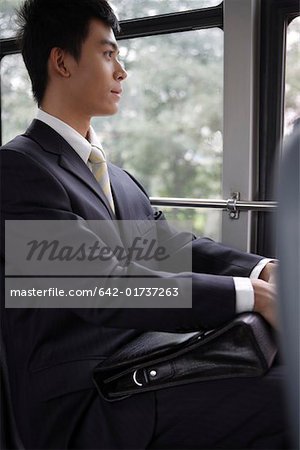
(244, 347)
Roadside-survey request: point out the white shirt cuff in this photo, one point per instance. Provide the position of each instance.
(244, 294)
(259, 267)
(243, 288)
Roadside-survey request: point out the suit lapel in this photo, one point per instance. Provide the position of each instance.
(81, 171)
(119, 194)
(68, 159)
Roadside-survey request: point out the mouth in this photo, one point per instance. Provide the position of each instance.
(117, 93)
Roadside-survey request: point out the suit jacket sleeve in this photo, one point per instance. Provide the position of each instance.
(211, 257)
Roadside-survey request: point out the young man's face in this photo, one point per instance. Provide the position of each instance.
(95, 82)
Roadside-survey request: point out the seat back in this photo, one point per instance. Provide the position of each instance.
(9, 436)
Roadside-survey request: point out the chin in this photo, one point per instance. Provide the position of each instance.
(107, 111)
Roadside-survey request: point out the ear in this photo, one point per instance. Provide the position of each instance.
(59, 62)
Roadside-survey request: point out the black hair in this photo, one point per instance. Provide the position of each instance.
(45, 24)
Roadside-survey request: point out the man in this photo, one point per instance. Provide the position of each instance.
(71, 54)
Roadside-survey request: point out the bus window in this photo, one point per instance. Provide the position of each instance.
(292, 80)
(168, 132)
(129, 9)
(18, 107)
(8, 18)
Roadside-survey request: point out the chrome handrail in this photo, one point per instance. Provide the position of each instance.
(241, 205)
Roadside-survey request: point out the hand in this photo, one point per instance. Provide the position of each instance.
(269, 273)
(265, 301)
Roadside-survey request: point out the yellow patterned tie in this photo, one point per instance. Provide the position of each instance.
(99, 169)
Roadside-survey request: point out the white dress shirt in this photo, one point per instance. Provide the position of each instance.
(83, 147)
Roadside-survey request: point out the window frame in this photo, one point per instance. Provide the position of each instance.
(240, 134)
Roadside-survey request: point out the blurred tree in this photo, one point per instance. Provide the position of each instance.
(8, 17)
(18, 107)
(168, 131)
(292, 85)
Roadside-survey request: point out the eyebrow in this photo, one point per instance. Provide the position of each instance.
(111, 43)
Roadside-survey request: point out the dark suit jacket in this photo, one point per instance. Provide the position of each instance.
(52, 352)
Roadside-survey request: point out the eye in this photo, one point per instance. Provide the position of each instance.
(109, 53)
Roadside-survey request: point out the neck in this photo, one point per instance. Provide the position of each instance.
(77, 121)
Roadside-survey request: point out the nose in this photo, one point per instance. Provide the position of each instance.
(120, 72)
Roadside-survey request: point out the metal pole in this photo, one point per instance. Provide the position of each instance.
(213, 203)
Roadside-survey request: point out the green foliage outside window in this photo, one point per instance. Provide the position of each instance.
(292, 84)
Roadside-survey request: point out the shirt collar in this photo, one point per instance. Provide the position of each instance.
(81, 145)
